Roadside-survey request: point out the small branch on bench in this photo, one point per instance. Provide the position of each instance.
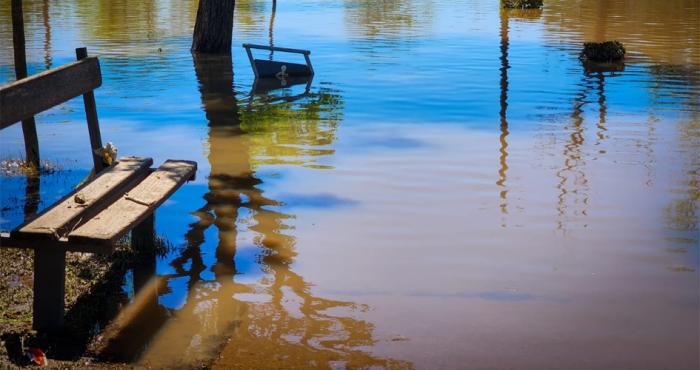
(147, 204)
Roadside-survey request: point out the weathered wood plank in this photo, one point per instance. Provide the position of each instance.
(29, 96)
(83, 203)
(103, 230)
(7, 241)
(92, 121)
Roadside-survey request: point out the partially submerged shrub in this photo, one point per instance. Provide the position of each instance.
(522, 4)
(608, 51)
(20, 167)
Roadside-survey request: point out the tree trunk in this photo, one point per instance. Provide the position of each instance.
(213, 28)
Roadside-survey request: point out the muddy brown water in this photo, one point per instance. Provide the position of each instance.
(456, 189)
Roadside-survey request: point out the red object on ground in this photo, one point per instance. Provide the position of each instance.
(36, 356)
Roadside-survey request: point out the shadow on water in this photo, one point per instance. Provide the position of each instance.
(276, 319)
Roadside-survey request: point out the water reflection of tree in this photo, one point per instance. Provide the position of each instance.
(658, 29)
(47, 34)
(602, 107)
(388, 19)
(682, 214)
(133, 22)
(270, 32)
(128, 23)
(505, 17)
(292, 328)
(503, 112)
(250, 14)
(303, 129)
(214, 312)
(573, 187)
(677, 85)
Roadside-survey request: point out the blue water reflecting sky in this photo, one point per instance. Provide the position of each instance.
(445, 150)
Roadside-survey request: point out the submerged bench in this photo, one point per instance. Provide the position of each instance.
(281, 70)
(121, 198)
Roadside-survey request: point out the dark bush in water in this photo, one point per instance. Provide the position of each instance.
(522, 4)
(608, 51)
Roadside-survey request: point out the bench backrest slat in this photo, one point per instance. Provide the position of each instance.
(26, 97)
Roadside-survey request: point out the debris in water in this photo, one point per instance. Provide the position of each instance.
(608, 51)
(399, 338)
(681, 268)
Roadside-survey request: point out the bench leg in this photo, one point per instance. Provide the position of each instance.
(49, 289)
(142, 240)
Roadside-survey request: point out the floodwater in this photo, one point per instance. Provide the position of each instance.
(455, 189)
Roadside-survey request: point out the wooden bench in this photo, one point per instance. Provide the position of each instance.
(95, 216)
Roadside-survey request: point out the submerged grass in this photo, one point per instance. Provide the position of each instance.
(20, 167)
(522, 4)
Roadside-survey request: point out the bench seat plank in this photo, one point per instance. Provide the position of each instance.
(106, 228)
(94, 196)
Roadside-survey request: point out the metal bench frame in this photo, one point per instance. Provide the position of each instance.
(253, 64)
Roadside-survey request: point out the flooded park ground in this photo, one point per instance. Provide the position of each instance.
(456, 189)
